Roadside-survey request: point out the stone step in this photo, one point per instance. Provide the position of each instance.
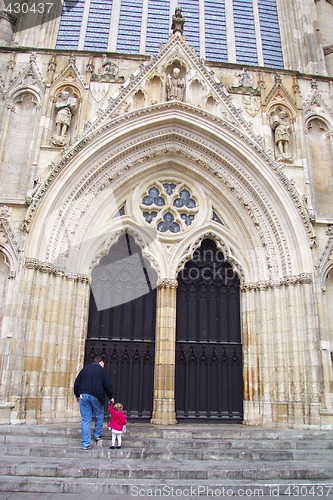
(169, 452)
(111, 467)
(48, 459)
(185, 432)
(143, 436)
(143, 442)
(227, 445)
(172, 489)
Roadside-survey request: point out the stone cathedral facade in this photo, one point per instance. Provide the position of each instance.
(178, 157)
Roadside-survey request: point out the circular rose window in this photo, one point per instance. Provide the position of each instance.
(169, 207)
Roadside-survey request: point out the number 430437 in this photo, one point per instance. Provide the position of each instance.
(25, 8)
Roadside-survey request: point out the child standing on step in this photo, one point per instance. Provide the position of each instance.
(117, 423)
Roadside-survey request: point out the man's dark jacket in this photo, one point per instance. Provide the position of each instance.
(94, 380)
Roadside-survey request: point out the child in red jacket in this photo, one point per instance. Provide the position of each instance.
(117, 423)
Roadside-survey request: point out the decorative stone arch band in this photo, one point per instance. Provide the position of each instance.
(245, 193)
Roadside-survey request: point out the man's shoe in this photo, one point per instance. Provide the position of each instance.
(111, 447)
(98, 439)
(86, 447)
(118, 447)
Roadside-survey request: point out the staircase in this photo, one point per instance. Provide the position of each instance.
(183, 460)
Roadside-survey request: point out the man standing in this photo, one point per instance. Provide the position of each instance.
(90, 387)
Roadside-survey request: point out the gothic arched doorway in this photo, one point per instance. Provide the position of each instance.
(209, 381)
(121, 327)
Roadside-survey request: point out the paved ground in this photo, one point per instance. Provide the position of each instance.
(70, 496)
(62, 496)
(90, 496)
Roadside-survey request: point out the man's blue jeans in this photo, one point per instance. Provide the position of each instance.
(90, 405)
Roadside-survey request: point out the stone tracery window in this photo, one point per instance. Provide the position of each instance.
(218, 30)
(153, 198)
(169, 207)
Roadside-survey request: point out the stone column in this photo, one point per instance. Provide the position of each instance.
(47, 322)
(164, 381)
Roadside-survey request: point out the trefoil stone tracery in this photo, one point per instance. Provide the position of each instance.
(169, 207)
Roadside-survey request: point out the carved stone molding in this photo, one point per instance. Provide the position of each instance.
(73, 152)
(325, 264)
(328, 50)
(46, 267)
(120, 166)
(184, 53)
(220, 245)
(301, 279)
(167, 283)
(315, 107)
(140, 239)
(30, 79)
(8, 243)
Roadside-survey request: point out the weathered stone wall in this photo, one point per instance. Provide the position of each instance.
(252, 145)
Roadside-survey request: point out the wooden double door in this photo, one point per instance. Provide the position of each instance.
(208, 349)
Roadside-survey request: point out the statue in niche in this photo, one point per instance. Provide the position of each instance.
(178, 21)
(281, 128)
(107, 73)
(245, 84)
(65, 106)
(175, 86)
(108, 68)
(244, 78)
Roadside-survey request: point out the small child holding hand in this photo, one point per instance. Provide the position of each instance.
(117, 423)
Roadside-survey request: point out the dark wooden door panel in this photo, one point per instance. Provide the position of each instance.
(209, 382)
(125, 333)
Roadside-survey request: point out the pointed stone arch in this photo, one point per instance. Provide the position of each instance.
(20, 117)
(327, 269)
(29, 79)
(8, 244)
(69, 74)
(155, 88)
(209, 382)
(223, 242)
(314, 107)
(266, 233)
(239, 177)
(143, 238)
(69, 80)
(325, 264)
(279, 96)
(139, 99)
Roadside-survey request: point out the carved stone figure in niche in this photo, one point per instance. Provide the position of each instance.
(108, 68)
(245, 84)
(244, 78)
(65, 106)
(175, 86)
(178, 21)
(108, 72)
(281, 127)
